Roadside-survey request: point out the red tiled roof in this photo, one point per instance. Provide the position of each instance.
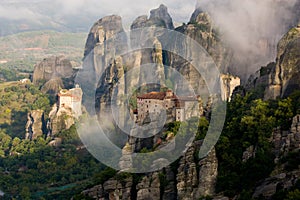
(153, 95)
(162, 96)
(188, 98)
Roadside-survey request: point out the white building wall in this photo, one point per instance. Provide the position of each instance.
(191, 109)
(180, 114)
(65, 101)
(228, 84)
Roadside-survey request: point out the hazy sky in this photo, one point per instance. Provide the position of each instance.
(41, 10)
(250, 27)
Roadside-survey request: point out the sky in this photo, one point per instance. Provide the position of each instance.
(248, 26)
(41, 11)
(252, 28)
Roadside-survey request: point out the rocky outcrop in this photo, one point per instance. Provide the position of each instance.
(284, 143)
(53, 73)
(35, 124)
(287, 141)
(270, 186)
(60, 119)
(104, 29)
(190, 179)
(196, 178)
(284, 77)
(158, 17)
(149, 187)
(162, 14)
(104, 42)
(200, 28)
(112, 189)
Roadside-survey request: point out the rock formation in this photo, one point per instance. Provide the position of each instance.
(103, 30)
(60, 119)
(192, 184)
(280, 79)
(52, 74)
(191, 178)
(287, 141)
(35, 124)
(187, 181)
(284, 143)
(112, 189)
(200, 28)
(158, 17)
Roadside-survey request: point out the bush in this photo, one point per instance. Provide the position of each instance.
(103, 176)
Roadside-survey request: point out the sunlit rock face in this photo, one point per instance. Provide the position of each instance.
(53, 73)
(284, 77)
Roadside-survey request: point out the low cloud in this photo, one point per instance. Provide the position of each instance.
(128, 9)
(251, 27)
(18, 13)
(35, 10)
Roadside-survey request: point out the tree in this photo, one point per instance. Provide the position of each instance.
(284, 113)
(25, 193)
(293, 195)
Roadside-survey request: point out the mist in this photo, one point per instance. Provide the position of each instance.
(252, 28)
(83, 13)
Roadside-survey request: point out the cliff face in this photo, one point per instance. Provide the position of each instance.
(158, 17)
(35, 124)
(189, 179)
(285, 142)
(103, 43)
(283, 77)
(103, 30)
(106, 54)
(200, 28)
(106, 42)
(60, 119)
(196, 178)
(53, 73)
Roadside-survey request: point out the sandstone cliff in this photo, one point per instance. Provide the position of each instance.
(201, 29)
(52, 74)
(286, 76)
(60, 119)
(285, 143)
(35, 124)
(158, 17)
(189, 178)
(280, 79)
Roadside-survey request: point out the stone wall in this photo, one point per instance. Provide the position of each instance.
(228, 84)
